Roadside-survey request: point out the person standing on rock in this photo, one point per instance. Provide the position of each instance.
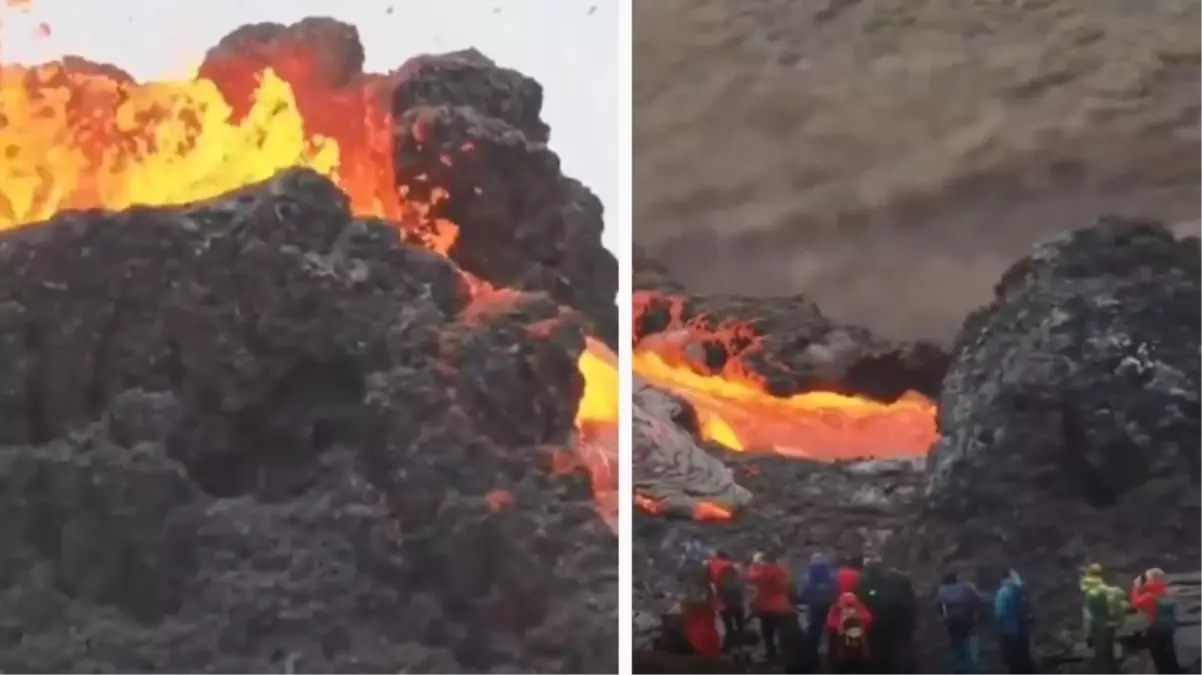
(959, 604)
(1014, 618)
(772, 603)
(871, 591)
(1102, 615)
(1091, 582)
(1150, 595)
(726, 580)
(817, 593)
(889, 595)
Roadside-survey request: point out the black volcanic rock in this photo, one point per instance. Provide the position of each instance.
(522, 223)
(473, 130)
(469, 78)
(253, 434)
(1082, 377)
(1069, 422)
(315, 50)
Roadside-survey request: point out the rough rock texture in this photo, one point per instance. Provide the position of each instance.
(787, 341)
(253, 434)
(891, 158)
(1087, 362)
(522, 223)
(671, 468)
(327, 50)
(1075, 393)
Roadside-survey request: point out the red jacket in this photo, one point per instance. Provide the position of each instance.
(1145, 595)
(715, 567)
(771, 588)
(701, 630)
(834, 618)
(847, 578)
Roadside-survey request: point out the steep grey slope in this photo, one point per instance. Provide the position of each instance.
(891, 158)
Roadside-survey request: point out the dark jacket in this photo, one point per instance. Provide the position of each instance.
(959, 605)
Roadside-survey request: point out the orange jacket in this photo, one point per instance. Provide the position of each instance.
(847, 578)
(847, 601)
(1145, 595)
(771, 584)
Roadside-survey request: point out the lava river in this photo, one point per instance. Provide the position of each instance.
(735, 409)
(78, 135)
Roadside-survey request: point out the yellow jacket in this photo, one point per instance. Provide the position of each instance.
(1117, 601)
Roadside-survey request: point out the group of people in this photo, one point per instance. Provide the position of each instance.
(857, 615)
(860, 618)
(1104, 609)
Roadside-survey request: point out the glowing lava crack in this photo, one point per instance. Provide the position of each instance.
(768, 375)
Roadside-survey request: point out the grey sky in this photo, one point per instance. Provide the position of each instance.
(573, 53)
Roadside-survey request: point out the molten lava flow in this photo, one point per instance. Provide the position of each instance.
(735, 409)
(77, 135)
(703, 510)
(597, 424)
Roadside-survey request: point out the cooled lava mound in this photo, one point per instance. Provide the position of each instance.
(674, 473)
(278, 391)
(1069, 420)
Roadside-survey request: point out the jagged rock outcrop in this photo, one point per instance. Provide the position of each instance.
(1069, 421)
(466, 128)
(473, 129)
(1081, 378)
(254, 433)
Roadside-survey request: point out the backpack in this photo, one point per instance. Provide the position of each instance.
(820, 593)
(1098, 605)
(1165, 617)
(960, 612)
(853, 640)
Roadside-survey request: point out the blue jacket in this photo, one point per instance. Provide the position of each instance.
(1007, 613)
(819, 590)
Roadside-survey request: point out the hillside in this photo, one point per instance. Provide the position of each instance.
(890, 158)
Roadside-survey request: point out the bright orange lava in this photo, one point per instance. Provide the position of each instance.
(735, 409)
(597, 425)
(78, 135)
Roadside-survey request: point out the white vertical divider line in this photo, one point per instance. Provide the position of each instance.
(625, 255)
